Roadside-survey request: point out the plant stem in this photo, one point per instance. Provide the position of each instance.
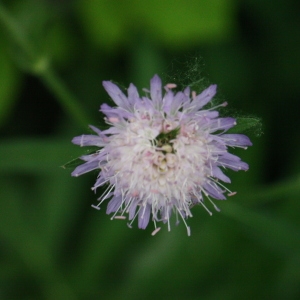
(40, 66)
(64, 96)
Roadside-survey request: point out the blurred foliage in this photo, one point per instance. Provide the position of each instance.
(53, 245)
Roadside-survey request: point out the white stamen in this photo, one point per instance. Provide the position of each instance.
(95, 206)
(231, 194)
(170, 86)
(120, 217)
(154, 232)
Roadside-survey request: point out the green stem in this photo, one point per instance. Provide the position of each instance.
(40, 66)
(66, 99)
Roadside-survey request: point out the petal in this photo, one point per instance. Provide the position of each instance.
(114, 204)
(132, 209)
(133, 95)
(236, 140)
(85, 168)
(144, 216)
(221, 124)
(88, 140)
(98, 131)
(213, 190)
(116, 94)
(167, 102)
(155, 91)
(229, 156)
(234, 165)
(217, 173)
(202, 99)
(100, 181)
(178, 101)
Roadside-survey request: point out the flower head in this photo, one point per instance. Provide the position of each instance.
(162, 154)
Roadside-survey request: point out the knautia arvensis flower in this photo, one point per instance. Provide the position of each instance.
(163, 153)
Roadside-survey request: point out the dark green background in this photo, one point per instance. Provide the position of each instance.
(53, 245)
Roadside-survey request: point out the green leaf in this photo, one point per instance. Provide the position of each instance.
(10, 81)
(35, 155)
(246, 124)
(172, 23)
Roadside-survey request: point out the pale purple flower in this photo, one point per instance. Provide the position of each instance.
(162, 154)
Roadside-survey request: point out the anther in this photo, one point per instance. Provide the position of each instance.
(155, 231)
(95, 206)
(231, 194)
(171, 86)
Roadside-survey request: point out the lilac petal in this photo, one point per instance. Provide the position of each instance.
(98, 131)
(111, 130)
(114, 204)
(236, 140)
(209, 114)
(213, 190)
(132, 209)
(167, 101)
(217, 173)
(100, 181)
(107, 110)
(229, 156)
(166, 213)
(233, 165)
(222, 124)
(133, 95)
(144, 216)
(116, 113)
(203, 98)
(88, 140)
(155, 91)
(85, 168)
(178, 101)
(116, 94)
(187, 91)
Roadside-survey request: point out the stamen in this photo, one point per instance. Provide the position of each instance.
(129, 225)
(105, 194)
(120, 217)
(119, 208)
(187, 227)
(231, 194)
(223, 186)
(154, 232)
(95, 206)
(169, 227)
(210, 213)
(170, 86)
(214, 205)
(95, 187)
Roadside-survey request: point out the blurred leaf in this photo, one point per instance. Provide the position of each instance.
(10, 82)
(35, 155)
(172, 22)
(33, 17)
(276, 233)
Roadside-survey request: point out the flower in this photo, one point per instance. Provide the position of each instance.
(163, 153)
